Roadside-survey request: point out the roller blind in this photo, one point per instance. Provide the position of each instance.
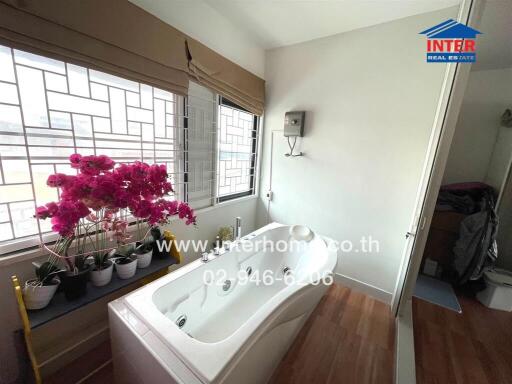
(120, 38)
(225, 77)
(114, 36)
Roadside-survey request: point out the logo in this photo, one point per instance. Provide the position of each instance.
(451, 42)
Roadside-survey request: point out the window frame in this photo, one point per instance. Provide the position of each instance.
(221, 100)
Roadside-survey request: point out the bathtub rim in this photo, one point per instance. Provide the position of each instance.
(209, 360)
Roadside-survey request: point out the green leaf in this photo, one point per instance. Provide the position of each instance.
(45, 271)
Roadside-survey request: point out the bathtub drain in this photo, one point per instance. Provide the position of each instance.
(181, 321)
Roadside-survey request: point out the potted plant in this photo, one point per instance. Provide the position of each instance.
(126, 265)
(101, 274)
(225, 234)
(74, 279)
(143, 249)
(76, 275)
(38, 292)
(92, 204)
(144, 252)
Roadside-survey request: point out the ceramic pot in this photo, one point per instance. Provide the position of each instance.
(74, 285)
(143, 258)
(38, 296)
(124, 269)
(101, 277)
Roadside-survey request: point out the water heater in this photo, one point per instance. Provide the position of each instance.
(294, 123)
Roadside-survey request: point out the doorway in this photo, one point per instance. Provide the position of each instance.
(468, 341)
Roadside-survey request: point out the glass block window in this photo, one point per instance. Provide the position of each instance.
(237, 144)
(50, 109)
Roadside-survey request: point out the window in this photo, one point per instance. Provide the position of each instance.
(237, 143)
(50, 109)
(221, 144)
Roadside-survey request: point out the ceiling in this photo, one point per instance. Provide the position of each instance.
(276, 23)
(242, 29)
(494, 45)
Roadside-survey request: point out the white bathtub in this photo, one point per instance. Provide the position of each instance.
(236, 329)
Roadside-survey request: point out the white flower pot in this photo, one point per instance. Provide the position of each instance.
(144, 259)
(101, 277)
(125, 271)
(38, 296)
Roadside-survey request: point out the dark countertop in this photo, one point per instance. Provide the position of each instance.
(59, 306)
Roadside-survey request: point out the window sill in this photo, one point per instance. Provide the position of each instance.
(229, 202)
(32, 254)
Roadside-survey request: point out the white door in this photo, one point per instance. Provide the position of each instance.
(452, 93)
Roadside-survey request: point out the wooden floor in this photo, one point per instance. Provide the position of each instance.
(349, 339)
(474, 347)
(99, 357)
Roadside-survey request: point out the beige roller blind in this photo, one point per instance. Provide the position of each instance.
(225, 77)
(111, 35)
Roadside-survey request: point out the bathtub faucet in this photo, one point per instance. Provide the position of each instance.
(205, 257)
(238, 228)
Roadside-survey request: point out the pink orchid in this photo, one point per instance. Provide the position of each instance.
(99, 185)
(58, 180)
(91, 165)
(49, 210)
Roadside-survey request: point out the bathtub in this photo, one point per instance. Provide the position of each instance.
(230, 320)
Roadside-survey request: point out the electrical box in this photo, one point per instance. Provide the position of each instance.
(294, 124)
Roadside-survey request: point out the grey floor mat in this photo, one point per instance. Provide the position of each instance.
(436, 292)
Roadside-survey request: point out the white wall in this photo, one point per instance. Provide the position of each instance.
(499, 83)
(209, 221)
(480, 148)
(199, 20)
(370, 100)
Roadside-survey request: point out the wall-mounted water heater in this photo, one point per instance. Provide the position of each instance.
(294, 123)
(294, 127)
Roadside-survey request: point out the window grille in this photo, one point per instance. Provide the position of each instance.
(50, 109)
(237, 151)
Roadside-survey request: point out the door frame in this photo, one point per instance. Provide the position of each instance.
(448, 108)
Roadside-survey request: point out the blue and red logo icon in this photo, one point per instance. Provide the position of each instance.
(451, 42)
